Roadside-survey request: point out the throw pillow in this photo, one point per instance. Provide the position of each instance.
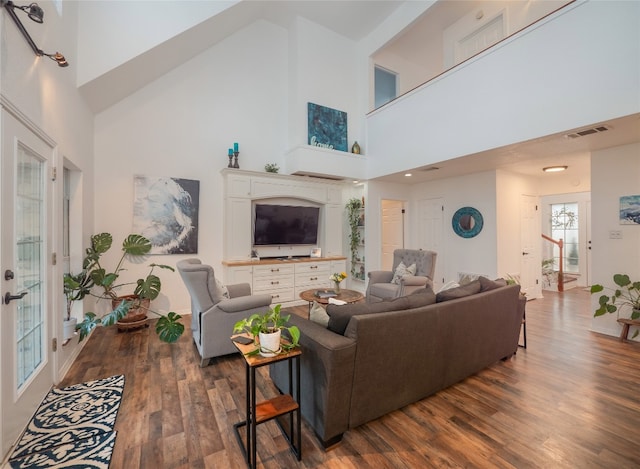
(460, 292)
(448, 286)
(421, 297)
(486, 284)
(339, 316)
(221, 290)
(403, 270)
(318, 314)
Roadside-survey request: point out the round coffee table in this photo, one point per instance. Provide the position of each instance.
(348, 296)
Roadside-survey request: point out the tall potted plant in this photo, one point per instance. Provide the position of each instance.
(353, 216)
(130, 308)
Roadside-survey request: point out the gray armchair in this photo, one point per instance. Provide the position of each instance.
(380, 285)
(212, 315)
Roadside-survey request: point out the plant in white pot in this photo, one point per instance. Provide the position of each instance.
(128, 308)
(76, 287)
(627, 295)
(267, 328)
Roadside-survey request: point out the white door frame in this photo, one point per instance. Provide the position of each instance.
(16, 408)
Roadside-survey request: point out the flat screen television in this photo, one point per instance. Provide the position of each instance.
(285, 225)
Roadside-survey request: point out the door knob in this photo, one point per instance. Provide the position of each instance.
(8, 297)
(525, 253)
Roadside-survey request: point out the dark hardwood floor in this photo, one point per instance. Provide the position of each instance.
(570, 400)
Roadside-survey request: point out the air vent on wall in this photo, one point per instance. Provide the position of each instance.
(585, 132)
(430, 168)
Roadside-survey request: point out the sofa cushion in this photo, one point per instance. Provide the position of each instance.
(318, 314)
(487, 284)
(459, 292)
(421, 297)
(403, 270)
(339, 316)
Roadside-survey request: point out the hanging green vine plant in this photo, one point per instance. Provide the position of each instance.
(353, 215)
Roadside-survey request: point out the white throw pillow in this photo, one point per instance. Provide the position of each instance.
(221, 290)
(403, 270)
(318, 314)
(449, 285)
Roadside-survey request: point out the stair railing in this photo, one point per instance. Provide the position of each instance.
(560, 244)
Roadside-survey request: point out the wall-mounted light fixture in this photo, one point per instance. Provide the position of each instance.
(554, 169)
(36, 14)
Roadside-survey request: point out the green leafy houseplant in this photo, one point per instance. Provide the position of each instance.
(271, 168)
(270, 321)
(627, 295)
(95, 276)
(353, 216)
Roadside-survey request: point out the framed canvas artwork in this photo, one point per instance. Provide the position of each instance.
(630, 210)
(165, 211)
(327, 127)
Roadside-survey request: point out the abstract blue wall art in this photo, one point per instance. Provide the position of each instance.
(630, 210)
(165, 211)
(327, 127)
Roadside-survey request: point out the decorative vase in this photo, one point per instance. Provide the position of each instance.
(355, 148)
(337, 287)
(269, 343)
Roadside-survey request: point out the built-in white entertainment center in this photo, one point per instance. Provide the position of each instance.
(271, 223)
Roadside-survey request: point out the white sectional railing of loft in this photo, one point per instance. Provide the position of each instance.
(576, 67)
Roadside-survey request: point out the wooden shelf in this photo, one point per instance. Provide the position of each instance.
(275, 407)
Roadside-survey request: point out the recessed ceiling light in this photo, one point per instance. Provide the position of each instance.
(407, 175)
(356, 181)
(554, 169)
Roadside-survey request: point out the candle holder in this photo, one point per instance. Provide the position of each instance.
(230, 165)
(235, 163)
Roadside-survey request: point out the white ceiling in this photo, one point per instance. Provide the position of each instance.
(528, 158)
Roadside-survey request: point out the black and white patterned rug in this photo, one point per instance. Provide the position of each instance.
(73, 427)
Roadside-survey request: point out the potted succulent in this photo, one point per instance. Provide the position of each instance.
(627, 295)
(268, 328)
(129, 309)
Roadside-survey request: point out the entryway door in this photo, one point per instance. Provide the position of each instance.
(25, 267)
(392, 231)
(530, 246)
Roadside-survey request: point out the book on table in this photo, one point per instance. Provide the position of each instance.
(326, 293)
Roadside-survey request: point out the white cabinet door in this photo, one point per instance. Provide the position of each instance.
(333, 231)
(237, 229)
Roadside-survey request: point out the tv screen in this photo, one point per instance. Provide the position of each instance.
(285, 224)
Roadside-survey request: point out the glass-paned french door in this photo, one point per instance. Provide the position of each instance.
(29, 269)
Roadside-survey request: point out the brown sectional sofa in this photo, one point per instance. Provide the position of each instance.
(394, 353)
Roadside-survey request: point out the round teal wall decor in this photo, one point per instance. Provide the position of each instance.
(467, 222)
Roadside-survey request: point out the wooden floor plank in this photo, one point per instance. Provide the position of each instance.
(569, 400)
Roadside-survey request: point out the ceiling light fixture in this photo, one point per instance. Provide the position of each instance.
(36, 14)
(407, 175)
(554, 169)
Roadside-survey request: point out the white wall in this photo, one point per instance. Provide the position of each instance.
(46, 95)
(473, 255)
(182, 124)
(114, 32)
(485, 103)
(617, 173)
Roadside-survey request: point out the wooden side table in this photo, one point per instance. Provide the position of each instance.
(260, 412)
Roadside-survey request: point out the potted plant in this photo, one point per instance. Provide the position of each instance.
(268, 328)
(353, 216)
(627, 295)
(271, 168)
(336, 278)
(76, 287)
(128, 309)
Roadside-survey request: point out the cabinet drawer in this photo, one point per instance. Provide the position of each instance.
(273, 269)
(281, 296)
(313, 268)
(272, 282)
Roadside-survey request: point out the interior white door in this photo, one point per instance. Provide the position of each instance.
(431, 234)
(27, 369)
(392, 230)
(530, 231)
